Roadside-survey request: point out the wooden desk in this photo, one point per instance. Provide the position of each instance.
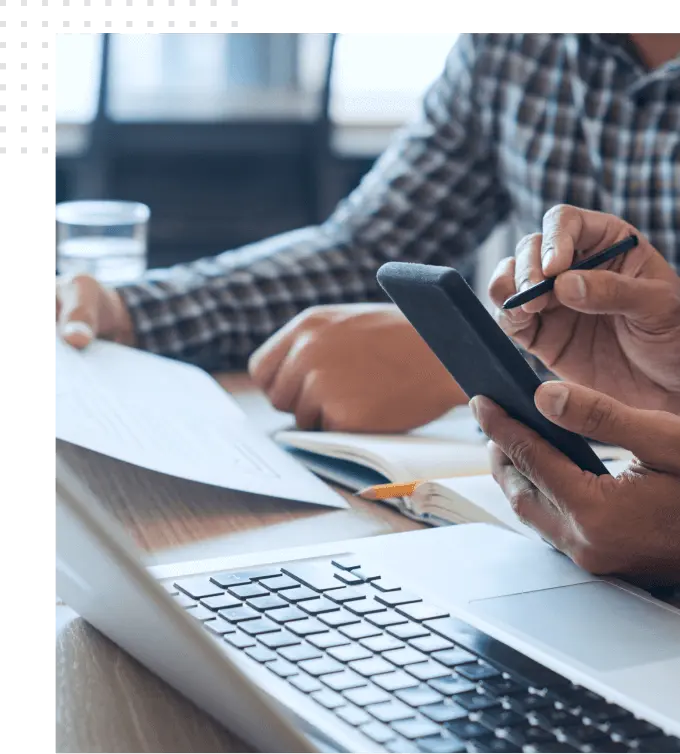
(106, 701)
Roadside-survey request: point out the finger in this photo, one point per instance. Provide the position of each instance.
(502, 281)
(530, 505)
(653, 436)
(603, 292)
(528, 270)
(555, 475)
(568, 229)
(78, 310)
(264, 363)
(308, 406)
(288, 380)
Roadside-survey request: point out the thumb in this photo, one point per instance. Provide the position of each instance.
(78, 299)
(605, 292)
(652, 436)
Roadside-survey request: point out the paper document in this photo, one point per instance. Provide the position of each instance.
(173, 418)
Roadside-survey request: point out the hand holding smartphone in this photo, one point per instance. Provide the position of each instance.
(476, 352)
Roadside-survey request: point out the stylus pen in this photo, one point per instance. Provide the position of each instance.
(585, 264)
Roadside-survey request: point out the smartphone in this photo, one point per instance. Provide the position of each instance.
(453, 322)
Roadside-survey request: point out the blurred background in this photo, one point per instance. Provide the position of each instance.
(230, 138)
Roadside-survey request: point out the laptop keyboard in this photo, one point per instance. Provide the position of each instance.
(405, 672)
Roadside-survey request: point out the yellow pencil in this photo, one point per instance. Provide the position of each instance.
(386, 491)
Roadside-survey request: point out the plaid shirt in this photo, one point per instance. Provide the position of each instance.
(514, 125)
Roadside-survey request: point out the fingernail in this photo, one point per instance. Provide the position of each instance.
(473, 407)
(551, 398)
(77, 328)
(574, 286)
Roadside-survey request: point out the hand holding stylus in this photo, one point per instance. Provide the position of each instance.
(615, 328)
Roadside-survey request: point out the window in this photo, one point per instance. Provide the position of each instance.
(379, 79)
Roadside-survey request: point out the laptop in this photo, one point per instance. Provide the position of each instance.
(457, 639)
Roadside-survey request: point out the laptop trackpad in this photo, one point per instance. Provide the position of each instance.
(597, 624)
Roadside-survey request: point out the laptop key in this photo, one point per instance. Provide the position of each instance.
(385, 585)
(348, 594)
(353, 715)
(525, 702)
(248, 590)
(401, 746)
(305, 683)
(431, 644)
(392, 599)
(279, 639)
(580, 734)
(349, 653)
(495, 686)
(286, 614)
(603, 714)
(388, 712)
(413, 729)
(551, 718)
(476, 671)
(318, 606)
(261, 654)
(421, 611)
(441, 744)
(282, 668)
(372, 666)
(524, 735)
(379, 732)
(404, 656)
(299, 652)
(468, 730)
(343, 681)
(364, 606)
(225, 580)
(307, 627)
(497, 717)
(338, 618)
(493, 745)
(321, 666)
(350, 577)
(220, 602)
(220, 627)
(240, 640)
(427, 670)
(320, 578)
(327, 640)
(197, 587)
(346, 564)
(269, 602)
(183, 600)
(299, 594)
(329, 699)
(201, 613)
(360, 631)
(278, 583)
(408, 631)
(451, 684)
(474, 702)
(612, 746)
(383, 620)
(395, 680)
(366, 695)
(260, 626)
(419, 696)
(444, 712)
(381, 643)
(239, 614)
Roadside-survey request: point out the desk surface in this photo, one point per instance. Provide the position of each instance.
(106, 701)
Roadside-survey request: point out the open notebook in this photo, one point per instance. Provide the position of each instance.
(450, 447)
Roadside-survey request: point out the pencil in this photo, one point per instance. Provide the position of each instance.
(548, 284)
(386, 491)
